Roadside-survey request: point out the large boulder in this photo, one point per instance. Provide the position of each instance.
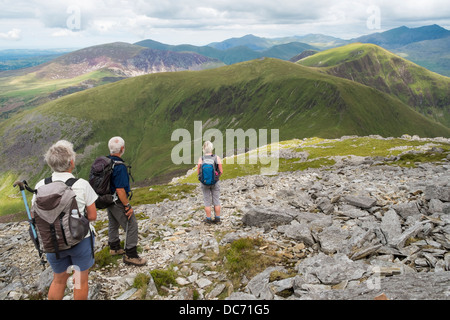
(408, 286)
(262, 217)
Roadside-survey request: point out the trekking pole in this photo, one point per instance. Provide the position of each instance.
(126, 236)
(22, 186)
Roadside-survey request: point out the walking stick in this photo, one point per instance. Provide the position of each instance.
(126, 236)
(32, 230)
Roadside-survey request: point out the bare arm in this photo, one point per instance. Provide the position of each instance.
(199, 165)
(91, 212)
(219, 162)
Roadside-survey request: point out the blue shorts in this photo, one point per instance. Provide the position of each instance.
(79, 256)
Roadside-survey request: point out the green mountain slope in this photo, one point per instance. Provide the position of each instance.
(145, 110)
(425, 91)
(265, 93)
(87, 68)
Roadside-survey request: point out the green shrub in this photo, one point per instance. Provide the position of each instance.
(163, 277)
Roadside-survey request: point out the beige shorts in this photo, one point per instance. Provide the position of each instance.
(211, 194)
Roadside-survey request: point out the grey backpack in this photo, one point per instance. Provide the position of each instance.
(59, 223)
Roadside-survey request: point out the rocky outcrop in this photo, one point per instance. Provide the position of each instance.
(357, 230)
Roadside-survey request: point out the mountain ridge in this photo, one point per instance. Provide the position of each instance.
(403, 35)
(89, 67)
(266, 93)
(376, 67)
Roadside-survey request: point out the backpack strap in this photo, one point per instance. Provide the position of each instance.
(70, 182)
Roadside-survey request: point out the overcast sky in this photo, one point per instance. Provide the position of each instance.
(75, 24)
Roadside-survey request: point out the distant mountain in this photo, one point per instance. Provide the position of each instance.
(238, 49)
(250, 41)
(427, 46)
(371, 65)
(431, 54)
(87, 68)
(322, 41)
(410, 43)
(402, 36)
(12, 59)
(124, 59)
(229, 56)
(260, 44)
(287, 51)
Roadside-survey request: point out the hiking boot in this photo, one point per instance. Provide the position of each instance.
(208, 221)
(137, 261)
(116, 252)
(115, 248)
(217, 220)
(131, 257)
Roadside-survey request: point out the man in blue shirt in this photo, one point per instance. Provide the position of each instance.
(121, 213)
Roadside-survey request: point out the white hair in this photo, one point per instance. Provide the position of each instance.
(208, 147)
(115, 144)
(59, 155)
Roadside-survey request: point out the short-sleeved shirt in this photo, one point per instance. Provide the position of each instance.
(119, 177)
(85, 195)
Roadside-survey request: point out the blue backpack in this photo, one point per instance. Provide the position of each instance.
(208, 173)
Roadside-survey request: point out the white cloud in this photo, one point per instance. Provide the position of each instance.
(13, 34)
(201, 21)
(65, 33)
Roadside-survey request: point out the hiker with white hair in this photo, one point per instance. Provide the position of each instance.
(61, 159)
(121, 213)
(209, 170)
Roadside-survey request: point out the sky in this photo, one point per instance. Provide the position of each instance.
(49, 24)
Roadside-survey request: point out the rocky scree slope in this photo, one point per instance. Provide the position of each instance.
(359, 229)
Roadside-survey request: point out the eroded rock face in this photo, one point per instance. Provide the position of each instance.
(352, 231)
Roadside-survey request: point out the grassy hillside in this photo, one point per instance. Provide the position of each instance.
(30, 90)
(425, 91)
(260, 94)
(87, 68)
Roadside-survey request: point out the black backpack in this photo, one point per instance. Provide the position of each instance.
(100, 180)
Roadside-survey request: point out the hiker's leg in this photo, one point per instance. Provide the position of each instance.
(132, 234)
(81, 287)
(208, 212)
(113, 226)
(118, 212)
(56, 291)
(217, 211)
(215, 191)
(207, 197)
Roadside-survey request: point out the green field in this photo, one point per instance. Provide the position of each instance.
(31, 90)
